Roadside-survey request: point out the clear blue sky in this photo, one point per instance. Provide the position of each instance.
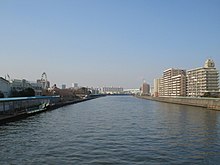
(106, 42)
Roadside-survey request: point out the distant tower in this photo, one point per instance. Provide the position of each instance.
(63, 86)
(145, 88)
(75, 85)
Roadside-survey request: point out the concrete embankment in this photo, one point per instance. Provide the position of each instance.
(23, 114)
(210, 103)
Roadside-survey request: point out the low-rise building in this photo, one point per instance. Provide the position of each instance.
(112, 90)
(19, 85)
(37, 88)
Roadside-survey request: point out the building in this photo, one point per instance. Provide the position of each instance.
(112, 90)
(75, 85)
(174, 82)
(203, 80)
(63, 86)
(19, 85)
(145, 89)
(156, 87)
(178, 85)
(38, 89)
(160, 87)
(44, 83)
(132, 91)
(94, 91)
(5, 88)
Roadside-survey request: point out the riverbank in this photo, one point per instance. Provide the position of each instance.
(209, 103)
(24, 114)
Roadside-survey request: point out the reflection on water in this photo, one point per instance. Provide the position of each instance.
(114, 130)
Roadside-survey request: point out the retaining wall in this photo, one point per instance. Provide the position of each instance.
(210, 103)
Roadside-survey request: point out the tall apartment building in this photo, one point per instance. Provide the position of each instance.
(174, 82)
(179, 85)
(161, 89)
(145, 89)
(158, 87)
(202, 80)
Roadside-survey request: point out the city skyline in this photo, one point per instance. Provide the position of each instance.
(106, 43)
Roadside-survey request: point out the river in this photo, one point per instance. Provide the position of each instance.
(114, 130)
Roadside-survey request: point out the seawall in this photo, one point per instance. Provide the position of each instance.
(209, 103)
(18, 116)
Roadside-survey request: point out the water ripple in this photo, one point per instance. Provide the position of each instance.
(114, 130)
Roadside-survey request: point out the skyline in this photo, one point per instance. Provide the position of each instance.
(106, 43)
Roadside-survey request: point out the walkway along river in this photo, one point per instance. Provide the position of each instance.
(114, 130)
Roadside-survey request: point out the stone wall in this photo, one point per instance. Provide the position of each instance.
(210, 103)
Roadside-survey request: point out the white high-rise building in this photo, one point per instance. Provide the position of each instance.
(202, 80)
(156, 87)
(174, 82)
(75, 85)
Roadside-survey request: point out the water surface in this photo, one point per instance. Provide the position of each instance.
(114, 130)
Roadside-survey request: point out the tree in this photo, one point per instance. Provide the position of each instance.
(1, 94)
(24, 93)
(14, 93)
(28, 92)
(207, 94)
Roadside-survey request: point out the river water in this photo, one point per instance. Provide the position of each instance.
(114, 130)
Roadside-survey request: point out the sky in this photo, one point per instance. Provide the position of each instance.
(98, 43)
